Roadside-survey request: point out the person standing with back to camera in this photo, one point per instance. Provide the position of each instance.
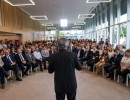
(63, 64)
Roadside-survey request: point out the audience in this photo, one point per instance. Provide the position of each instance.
(23, 58)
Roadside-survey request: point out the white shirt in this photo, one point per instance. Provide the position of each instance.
(1, 46)
(1, 62)
(126, 62)
(37, 55)
(45, 53)
(110, 54)
(100, 52)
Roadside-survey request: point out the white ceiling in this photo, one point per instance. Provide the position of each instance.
(59, 9)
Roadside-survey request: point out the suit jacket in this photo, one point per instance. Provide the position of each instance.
(95, 55)
(117, 60)
(28, 58)
(82, 53)
(18, 59)
(75, 50)
(7, 62)
(63, 63)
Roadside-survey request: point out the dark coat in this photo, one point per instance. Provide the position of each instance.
(18, 59)
(63, 63)
(7, 61)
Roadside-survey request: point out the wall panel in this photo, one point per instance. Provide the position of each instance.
(13, 19)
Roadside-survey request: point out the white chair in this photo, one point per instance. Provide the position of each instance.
(103, 71)
(127, 79)
(114, 74)
(11, 73)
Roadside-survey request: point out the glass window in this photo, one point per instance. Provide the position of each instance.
(123, 7)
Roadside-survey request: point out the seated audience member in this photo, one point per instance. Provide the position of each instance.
(115, 65)
(3, 73)
(87, 55)
(30, 59)
(13, 51)
(75, 49)
(94, 57)
(38, 57)
(81, 52)
(125, 65)
(45, 55)
(21, 61)
(101, 41)
(10, 64)
(104, 59)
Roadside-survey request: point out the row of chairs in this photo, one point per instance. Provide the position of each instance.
(11, 73)
(103, 73)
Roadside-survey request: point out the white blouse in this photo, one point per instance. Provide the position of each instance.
(126, 62)
(1, 62)
(110, 54)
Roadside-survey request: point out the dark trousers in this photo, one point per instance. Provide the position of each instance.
(40, 63)
(22, 68)
(3, 74)
(111, 70)
(14, 68)
(124, 74)
(34, 65)
(82, 60)
(70, 96)
(106, 67)
(91, 63)
(44, 61)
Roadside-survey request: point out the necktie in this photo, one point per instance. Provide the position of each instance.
(10, 59)
(21, 57)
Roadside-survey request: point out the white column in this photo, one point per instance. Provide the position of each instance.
(106, 25)
(118, 20)
(111, 20)
(128, 25)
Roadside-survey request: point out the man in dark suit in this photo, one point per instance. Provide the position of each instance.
(81, 52)
(115, 65)
(10, 64)
(75, 49)
(21, 61)
(63, 63)
(30, 59)
(94, 55)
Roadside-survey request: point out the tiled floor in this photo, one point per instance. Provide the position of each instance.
(39, 86)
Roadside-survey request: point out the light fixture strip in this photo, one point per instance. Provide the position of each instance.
(33, 17)
(92, 15)
(31, 3)
(88, 1)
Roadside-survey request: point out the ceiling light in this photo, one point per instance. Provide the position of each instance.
(39, 17)
(21, 4)
(76, 27)
(84, 16)
(97, 1)
(82, 23)
(51, 28)
(47, 24)
(63, 23)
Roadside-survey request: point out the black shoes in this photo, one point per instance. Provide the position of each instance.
(18, 79)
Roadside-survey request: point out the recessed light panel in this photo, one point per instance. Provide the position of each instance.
(39, 17)
(20, 2)
(51, 28)
(76, 27)
(47, 25)
(82, 23)
(84, 16)
(63, 23)
(97, 1)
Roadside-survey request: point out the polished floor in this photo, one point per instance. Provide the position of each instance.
(39, 86)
